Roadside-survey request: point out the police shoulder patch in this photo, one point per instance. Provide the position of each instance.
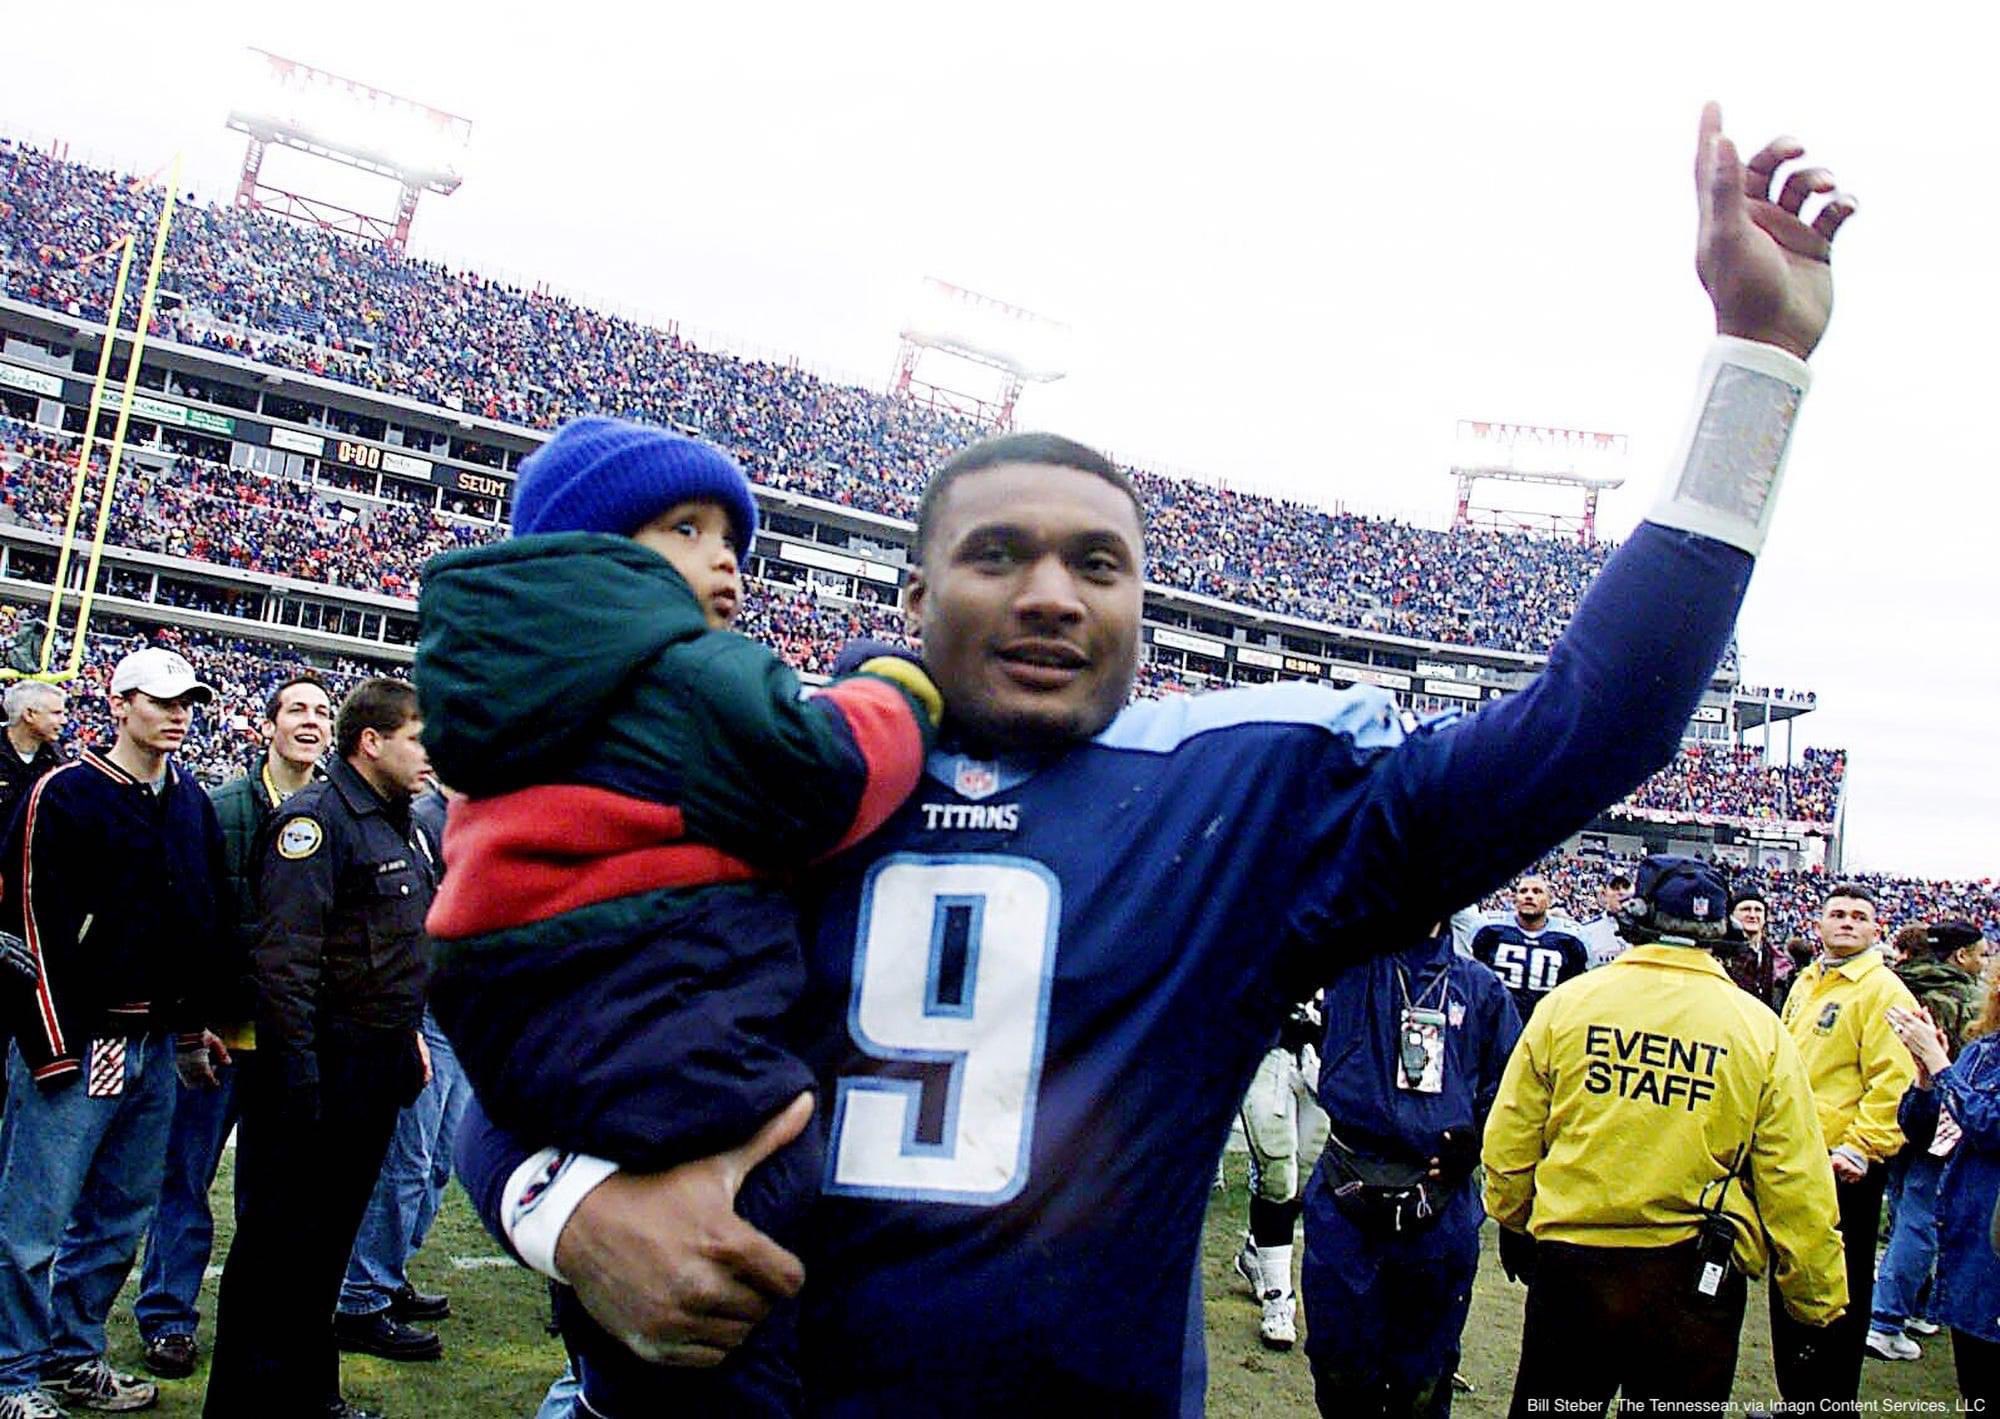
(299, 838)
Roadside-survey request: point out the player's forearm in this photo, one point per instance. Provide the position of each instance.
(1654, 624)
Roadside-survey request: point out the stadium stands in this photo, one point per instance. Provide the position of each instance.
(1730, 783)
(300, 299)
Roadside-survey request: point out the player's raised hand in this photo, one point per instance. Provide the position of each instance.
(663, 1262)
(1768, 272)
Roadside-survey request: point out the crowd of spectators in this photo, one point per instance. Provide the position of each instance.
(1729, 783)
(1794, 897)
(210, 512)
(299, 298)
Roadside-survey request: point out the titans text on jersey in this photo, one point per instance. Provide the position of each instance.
(971, 817)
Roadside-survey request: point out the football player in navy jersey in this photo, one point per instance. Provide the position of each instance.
(1530, 954)
(1039, 992)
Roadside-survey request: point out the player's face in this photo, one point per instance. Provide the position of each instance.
(1028, 603)
(1611, 898)
(1531, 900)
(156, 726)
(1750, 919)
(399, 759)
(1847, 925)
(303, 726)
(697, 539)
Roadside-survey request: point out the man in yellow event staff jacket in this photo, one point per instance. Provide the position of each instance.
(1654, 1128)
(1860, 1070)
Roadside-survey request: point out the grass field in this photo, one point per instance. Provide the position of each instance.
(498, 1360)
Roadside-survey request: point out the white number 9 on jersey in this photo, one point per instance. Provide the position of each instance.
(952, 965)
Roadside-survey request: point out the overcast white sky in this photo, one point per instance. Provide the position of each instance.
(1294, 247)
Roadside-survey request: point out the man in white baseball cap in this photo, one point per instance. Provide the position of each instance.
(118, 903)
(160, 674)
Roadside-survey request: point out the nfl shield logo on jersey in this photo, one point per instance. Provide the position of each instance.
(976, 778)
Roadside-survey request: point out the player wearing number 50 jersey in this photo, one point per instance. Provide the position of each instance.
(1530, 954)
(1041, 989)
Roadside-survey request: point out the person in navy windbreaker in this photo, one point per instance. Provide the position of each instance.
(1415, 1046)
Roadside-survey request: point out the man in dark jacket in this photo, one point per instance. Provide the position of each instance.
(115, 871)
(340, 963)
(298, 725)
(35, 712)
(1761, 967)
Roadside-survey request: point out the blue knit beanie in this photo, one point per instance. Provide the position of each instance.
(608, 475)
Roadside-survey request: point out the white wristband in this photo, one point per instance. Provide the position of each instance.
(1725, 484)
(541, 1194)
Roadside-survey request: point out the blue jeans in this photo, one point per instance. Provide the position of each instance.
(561, 1400)
(1912, 1251)
(411, 1188)
(183, 1231)
(79, 1177)
(454, 1092)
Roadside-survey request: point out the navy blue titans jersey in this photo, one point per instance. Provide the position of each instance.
(1530, 963)
(1036, 995)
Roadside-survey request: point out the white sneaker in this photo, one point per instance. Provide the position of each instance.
(30, 1404)
(1248, 1267)
(95, 1385)
(1893, 1345)
(1279, 1329)
(1921, 1327)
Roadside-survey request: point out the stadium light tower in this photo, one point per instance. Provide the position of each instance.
(1530, 453)
(353, 125)
(952, 329)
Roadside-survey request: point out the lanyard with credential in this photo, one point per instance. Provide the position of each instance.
(1420, 1035)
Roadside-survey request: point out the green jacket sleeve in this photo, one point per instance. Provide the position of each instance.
(772, 772)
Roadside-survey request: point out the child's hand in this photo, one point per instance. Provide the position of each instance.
(893, 662)
(857, 653)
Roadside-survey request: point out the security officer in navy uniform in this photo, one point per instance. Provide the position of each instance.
(1416, 1041)
(341, 965)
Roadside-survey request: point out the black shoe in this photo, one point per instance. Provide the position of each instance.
(171, 1357)
(379, 1333)
(411, 1304)
(341, 1409)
